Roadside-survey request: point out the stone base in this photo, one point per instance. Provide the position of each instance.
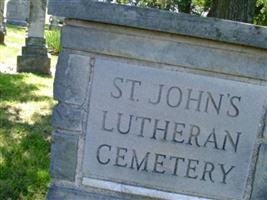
(34, 57)
(17, 22)
(31, 63)
(58, 193)
(2, 37)
(62, 192)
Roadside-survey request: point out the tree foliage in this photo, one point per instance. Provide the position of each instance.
(261, 12)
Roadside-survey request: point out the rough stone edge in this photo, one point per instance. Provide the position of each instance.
(68, 121)
(67, 117)
(67, 88)
(259, 191)
(255, 154)
(259, 183)
(86, 108)
(58, 193)
(163, 21)
(68, 191)
(64, 143)
(138, 191)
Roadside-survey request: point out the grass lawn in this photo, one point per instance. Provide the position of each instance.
(14, 40)
(25, 128)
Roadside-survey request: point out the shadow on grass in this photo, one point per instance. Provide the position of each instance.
(24, 146)
(14, 88)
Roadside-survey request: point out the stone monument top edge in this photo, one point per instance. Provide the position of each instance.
(162, 21)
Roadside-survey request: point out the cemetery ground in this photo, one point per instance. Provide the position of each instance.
(25, 128)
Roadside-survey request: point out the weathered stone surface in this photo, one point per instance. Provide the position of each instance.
(66, 116)
(12, 14)
(158, 20)
(170, 130)
(175, 50)
(57, 193)
(37, 18)
(35, 47)
(72, 78)
(34, 50)
(33, 63)
(35, 41)
(197, 141)
(134, 192)
(64, 156)
(260, 183)
(35, 57)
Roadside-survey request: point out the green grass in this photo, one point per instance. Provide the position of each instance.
(8, 55)
(15, 35)
(13, 42)
(16, 29)
(53, 41)
(25, 128)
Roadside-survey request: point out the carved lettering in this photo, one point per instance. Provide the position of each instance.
(98, 154)
(171, 131)
(116, 82)
(160, 163)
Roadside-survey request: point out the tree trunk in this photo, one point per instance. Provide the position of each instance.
(2, 27)
(237, 10)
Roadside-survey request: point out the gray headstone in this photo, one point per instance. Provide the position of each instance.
(17, 12)
(37, 18)
(145, 114)
(35, 57)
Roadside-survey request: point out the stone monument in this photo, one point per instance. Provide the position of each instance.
(2, 25)
(157, 105)
(35, 57)
(17, 12)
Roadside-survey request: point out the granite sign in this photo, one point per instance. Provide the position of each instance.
(171, 130)
(155, 111)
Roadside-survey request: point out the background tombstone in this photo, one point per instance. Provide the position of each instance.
(2, 25)
(55, 22)
(35, 57)
(156, 105)
(17, 12)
